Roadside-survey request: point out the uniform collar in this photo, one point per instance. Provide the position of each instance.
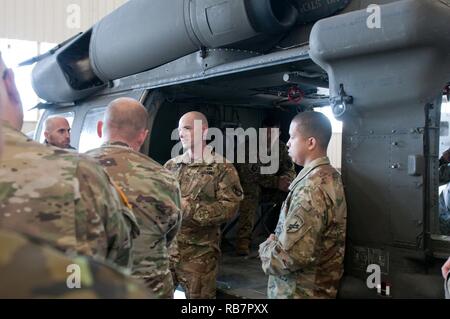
(308, 169)
(208, 157)
(119, 144)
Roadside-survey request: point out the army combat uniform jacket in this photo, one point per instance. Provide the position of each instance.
(211, 193)
(32, 269)
(306, 258)
(154, 195)
(62, 198)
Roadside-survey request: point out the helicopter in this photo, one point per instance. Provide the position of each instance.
(385, 66)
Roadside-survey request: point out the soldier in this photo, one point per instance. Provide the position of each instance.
(274, 187)
(152, 190)
(304, 258)
(58, 196)
(210, 196)
(248, 175)
(271, 187)
(31, 269)
(57, 132)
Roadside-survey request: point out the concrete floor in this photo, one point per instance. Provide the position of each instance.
(241, 277)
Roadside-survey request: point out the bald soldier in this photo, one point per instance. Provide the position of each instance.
(210, 196)
(31, 269)
(64, 199)
(304, 258)
(152, 191)
(57, 132)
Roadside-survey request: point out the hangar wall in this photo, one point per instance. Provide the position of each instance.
(50, 21)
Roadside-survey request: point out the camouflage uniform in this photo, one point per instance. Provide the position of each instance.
(255, 186)
(30, 269)
(154, 195)
(249, 175)
(306, 258)
(63, 198)
(211, 191)
(269, 186)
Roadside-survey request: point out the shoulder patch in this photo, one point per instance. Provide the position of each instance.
(295, 224)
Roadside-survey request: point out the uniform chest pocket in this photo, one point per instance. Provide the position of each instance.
(200, 184)
(206, 187)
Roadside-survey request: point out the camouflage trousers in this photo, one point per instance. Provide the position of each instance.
(160, 286)
(247, 211)
(198, 276)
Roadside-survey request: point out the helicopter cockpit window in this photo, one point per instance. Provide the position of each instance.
(69, 116)
(88, 137)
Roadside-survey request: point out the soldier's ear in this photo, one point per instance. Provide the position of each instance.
(100, 129)
(312, 143)
(142, 136)
(145, 135)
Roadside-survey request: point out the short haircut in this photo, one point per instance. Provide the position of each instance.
(49, 122)
(197, 116)
(314, 124)
(126, 117)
